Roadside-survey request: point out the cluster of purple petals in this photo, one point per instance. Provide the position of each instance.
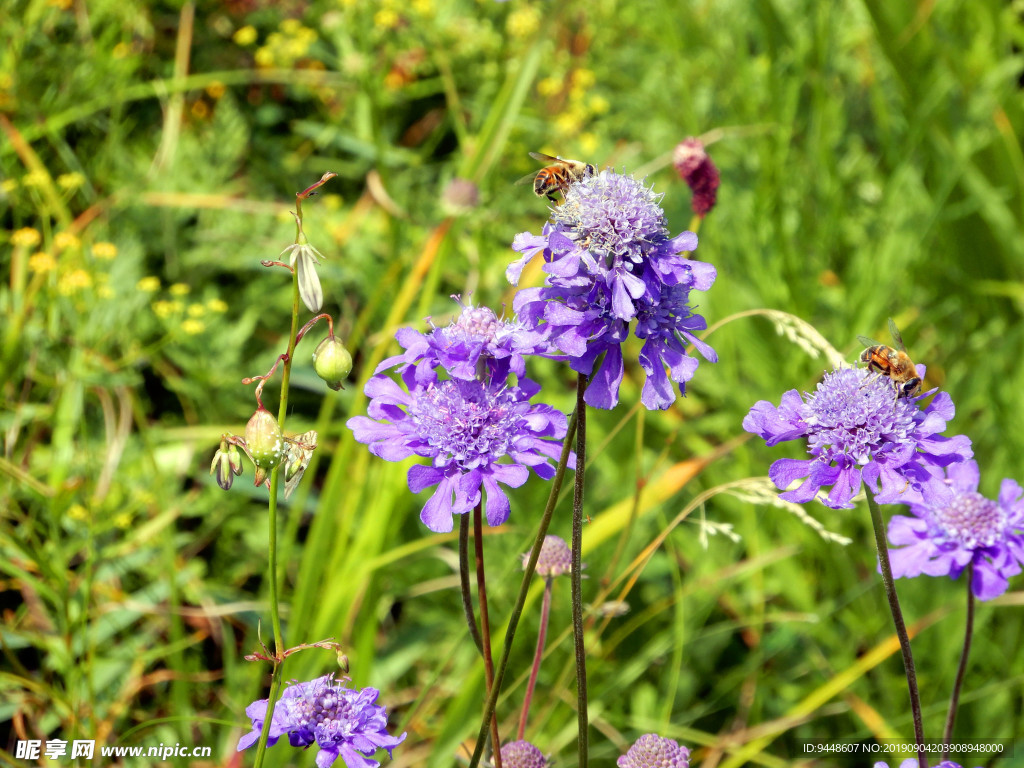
(858, 430)
(342, 722)
(476, 337)
(953, 527)
(479, 431)
(912, 762)
(609, 261)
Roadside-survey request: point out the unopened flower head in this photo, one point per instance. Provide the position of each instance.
(954, 527)
(654, 751)
(477, 435)
(856, 429)
(522, 754)
(342, 722)
(555, 558)
(609, 260)
(695, 167)
(304, 258)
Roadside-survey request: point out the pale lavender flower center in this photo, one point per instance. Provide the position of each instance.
(852, 413)
(554, 559)
(971, 520)
(469, 422)
(475, 324)
(653, 751)
(613, 216)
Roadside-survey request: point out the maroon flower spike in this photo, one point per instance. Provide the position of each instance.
(699, 172)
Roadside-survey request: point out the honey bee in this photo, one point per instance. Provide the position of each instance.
(557, 175)
(894, 364)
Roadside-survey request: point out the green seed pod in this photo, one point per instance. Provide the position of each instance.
(332, 362)
(265, 440)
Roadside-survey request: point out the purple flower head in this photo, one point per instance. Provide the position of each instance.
(522, 754)
(911, 762)
(478, 435)
(654, 751)
(343, 722)
(955, 526)
(476, 338)
(609, 260)
(555, 559)
(856, 430)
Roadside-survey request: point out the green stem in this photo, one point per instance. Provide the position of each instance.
(524, 588)
(485, 622)
(576, 575)
(878, 524)
(467, 596)
(954, 699)
(275, 482)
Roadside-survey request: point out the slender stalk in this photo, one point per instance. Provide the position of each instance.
(467, 595)
(485, 623)
(878, 524)
(524, 588)
(545, 613)
(583, 726)
(954, 699)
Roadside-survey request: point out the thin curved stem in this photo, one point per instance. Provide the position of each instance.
(485, 624)
(878, 524)
(542, 634)
(524, 588)
(576, 575)
(954, 699)
(467, 595)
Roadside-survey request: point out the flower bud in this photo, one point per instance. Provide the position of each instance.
(332, 362)
(265, 441)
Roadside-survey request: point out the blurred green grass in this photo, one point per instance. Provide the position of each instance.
(871, 167)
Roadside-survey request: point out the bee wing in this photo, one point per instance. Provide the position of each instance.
(868, 342)
(896, 335)
(544, 158)
(527, 179)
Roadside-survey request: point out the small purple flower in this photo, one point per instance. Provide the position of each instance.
(467, 429)
(609, 260)
(954, 526)
(699, 172)
(476, 337)
(522, 754)
(654, 751)
(912, 762)
(856, 430)
(343, 722)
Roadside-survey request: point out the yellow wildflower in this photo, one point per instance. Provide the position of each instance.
(26, 236)
(217, 305)
(193, 327)
(70, 180)
(104, 250)
(179, 289)
(149, 284)
(41, 262)
(74, 281)
(245, 35)
(62, 241)
(196, 310)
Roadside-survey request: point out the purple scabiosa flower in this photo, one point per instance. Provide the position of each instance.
(476, 338)
(555, 558)
(522, 754)
(609, 260)
(955, 526)
(654, 751)
(343, 722)
(857, 430)
(478, 435)
(912, 762)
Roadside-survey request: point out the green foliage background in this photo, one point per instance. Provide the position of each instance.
(871, 167)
